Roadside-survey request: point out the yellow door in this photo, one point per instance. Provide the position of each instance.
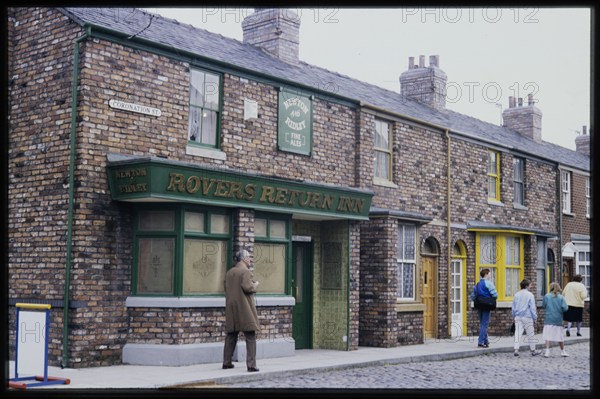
(428, 296)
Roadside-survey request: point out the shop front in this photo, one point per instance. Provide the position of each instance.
(187, 222)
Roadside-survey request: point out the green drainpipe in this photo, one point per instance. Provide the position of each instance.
(348, 230)
(65, 354)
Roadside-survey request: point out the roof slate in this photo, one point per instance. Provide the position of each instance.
(165, 31)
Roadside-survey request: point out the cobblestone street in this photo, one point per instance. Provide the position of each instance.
(502, 371)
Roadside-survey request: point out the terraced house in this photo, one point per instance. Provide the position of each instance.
(143, 152)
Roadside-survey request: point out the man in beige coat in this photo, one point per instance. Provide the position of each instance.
(240, 310)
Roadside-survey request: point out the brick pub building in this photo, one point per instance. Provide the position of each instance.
(143, 152)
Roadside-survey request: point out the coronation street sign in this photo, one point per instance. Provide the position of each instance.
(140, 109)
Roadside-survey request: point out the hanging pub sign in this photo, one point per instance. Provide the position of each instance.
(294, 122)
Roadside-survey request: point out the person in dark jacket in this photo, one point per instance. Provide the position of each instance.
(484, 288)
(240, 311)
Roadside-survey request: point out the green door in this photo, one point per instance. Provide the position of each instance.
(302, 291)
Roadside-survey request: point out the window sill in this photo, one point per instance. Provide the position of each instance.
(205, 152)
(409, 307)
(568, 214)
(520, 207)
(383, 182)
(499, 305)
(206, 302)
(494, 202)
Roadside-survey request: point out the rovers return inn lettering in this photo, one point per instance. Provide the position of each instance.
(264, 193)
(148, 180)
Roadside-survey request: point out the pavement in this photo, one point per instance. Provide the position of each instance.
(307, 360)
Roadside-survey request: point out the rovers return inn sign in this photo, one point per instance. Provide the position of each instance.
(153, 179)
(294, 122)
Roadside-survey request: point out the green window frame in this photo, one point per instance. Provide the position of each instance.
(180, 250)
(272, 254)
(383, 150)
(204, 108)
(493, 175)
(502, 253)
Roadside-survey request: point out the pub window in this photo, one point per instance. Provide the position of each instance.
(205, 89)
(271, 249)
(383, 151)
(181, 251)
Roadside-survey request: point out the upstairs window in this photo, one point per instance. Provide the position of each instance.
(493, 175)
(519, 181)
(566, 191)
(588, 197)
(205, 89)
(383, 151)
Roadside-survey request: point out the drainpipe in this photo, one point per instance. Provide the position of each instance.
(348, 288)
(67, 294)
(448, 171)
(559, 278)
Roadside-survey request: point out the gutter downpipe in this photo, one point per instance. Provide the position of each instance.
(67, 293)
(559, 278)
(448, 177)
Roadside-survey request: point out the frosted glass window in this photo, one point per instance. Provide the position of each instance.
(269, 267)
(278, 229)
(155, 265)
(194, 222)
(156, 221)
(204, 266)
(260, 227)
(219, 224)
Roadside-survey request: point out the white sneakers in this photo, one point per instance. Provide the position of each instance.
(563, 353)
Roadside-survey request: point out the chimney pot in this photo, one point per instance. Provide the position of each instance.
(520, 102)
(411, 62)
(434, 61)
(584, 129)
(511, 102)
(421, 61)
(530, 99)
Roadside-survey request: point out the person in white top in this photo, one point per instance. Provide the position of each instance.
(525, 314)
(575, 294)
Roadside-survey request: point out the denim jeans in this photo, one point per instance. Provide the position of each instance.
(484, 321)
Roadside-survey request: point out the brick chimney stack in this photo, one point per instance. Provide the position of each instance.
(527, 120)
(276, 30)
(582, 142)
(426, 85)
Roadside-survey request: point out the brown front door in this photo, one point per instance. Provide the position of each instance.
(428, 278)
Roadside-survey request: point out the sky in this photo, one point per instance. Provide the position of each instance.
(488, 54)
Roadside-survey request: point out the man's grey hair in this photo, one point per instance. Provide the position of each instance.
(241, 254)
